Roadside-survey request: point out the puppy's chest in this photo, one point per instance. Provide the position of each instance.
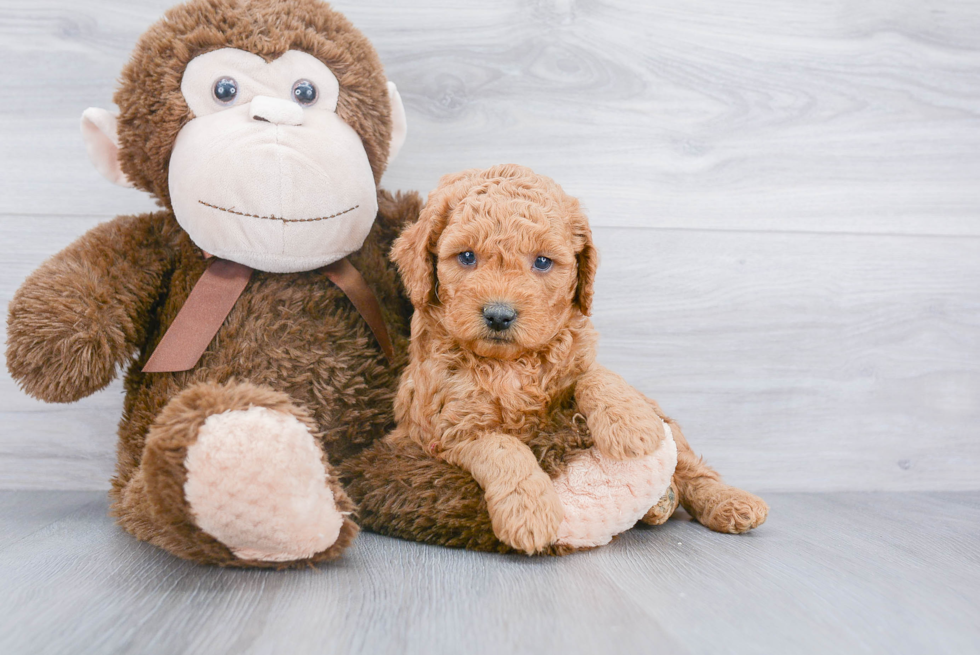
(512, 399)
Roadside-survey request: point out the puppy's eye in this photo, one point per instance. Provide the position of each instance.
(467, 258)
(225, 90)
(304, 92)
(542, 264)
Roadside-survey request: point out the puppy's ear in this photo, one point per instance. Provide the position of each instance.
(414, 252)
(587, 259)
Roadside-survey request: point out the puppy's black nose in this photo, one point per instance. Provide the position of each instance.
(499, 317)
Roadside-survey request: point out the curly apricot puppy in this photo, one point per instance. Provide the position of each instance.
(505, 339)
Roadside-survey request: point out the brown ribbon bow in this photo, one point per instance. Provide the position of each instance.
(217, 291)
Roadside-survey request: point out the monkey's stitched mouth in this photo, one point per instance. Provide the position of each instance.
(278, 218)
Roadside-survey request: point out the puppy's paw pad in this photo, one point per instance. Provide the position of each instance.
(257, 483)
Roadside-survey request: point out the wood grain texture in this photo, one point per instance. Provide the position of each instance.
(835, 116)
(830, 573)
(785, 196)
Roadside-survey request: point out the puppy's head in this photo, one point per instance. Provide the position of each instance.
(501, 258)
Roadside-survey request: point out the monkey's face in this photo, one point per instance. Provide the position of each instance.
(265, 155)
(266, 173)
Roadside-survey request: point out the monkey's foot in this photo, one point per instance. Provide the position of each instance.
(257, 482)
(664, 508)
(603, 497)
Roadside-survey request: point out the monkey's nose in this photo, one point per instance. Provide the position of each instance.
(275, 110)
(499, 316)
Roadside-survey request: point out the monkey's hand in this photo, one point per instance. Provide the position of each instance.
(84, 312)
(622, 423)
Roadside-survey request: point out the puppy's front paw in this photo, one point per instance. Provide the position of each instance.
(621, 434)
(528, 517)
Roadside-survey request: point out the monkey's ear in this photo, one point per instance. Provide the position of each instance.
(399, 125)
(102, 144)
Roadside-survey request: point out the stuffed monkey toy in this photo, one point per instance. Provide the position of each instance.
(259, 320)
(255, 309)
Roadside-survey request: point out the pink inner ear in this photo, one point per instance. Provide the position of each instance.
(101, 143)
(399, 124)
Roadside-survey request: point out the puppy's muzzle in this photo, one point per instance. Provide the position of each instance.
(499, 316)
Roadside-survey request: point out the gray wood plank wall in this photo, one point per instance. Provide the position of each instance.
(786, 196)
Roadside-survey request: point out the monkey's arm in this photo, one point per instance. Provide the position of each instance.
(622, 423)
(85, 311)
(395, 211)
(524, 507)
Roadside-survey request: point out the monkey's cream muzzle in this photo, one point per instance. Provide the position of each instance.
(262, 180)
(262, 175)
(273, 186)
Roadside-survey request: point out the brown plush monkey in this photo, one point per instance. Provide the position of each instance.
(262, 127)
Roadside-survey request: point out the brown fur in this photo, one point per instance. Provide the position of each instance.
(152, 109)
(157, 488)
(700, 490)
(292, 342)
(404, 492)
(113, 293)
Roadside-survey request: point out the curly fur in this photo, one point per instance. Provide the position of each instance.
(525, 391)
(474, 396)
(508, 216)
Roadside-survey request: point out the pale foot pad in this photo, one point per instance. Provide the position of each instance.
(604, 497)
(256, 483)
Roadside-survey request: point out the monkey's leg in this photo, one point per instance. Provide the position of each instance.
(403, 492)
(701, 492)
(233, 475)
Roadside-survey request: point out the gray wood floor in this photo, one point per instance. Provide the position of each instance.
(828, 573)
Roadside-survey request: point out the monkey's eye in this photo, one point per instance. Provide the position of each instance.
(304, 92)
(225, 90)
(542, 263)
(467, 258)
